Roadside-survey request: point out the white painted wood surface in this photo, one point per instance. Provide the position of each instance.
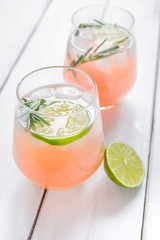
(152, 213)
(18, 22)
(98, 209)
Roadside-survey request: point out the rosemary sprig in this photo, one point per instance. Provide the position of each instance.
(87, 25)
(81, 59)
(88, 56)
(34, 104)
(32, 118)
(82, 25)
(99, 45)
(91, 25)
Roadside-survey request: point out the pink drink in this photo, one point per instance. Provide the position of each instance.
(64, 165)
(114, 75)
(105, 50)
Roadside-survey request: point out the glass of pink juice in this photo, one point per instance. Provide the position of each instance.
(102, 44)
(58, 136)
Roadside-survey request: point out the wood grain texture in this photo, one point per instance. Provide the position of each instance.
(18, 20)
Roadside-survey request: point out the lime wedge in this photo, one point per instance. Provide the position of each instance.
(123, 165)
(65, 129)
(113, 33)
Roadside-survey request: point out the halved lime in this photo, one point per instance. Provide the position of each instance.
(65, 129)
(123, 165)
(113, 33)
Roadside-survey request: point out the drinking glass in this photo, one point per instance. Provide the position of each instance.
(102, 44)
(58, 136)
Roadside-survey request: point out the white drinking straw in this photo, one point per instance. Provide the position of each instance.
(104, 10)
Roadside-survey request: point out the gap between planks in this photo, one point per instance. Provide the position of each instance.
(26, 44)
(152, 130)
(4, 84)
(37, 215)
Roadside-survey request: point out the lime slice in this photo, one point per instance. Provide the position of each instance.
(123, 165)
(113, 33)
(65, 129)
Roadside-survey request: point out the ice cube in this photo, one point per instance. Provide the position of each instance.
(120, 59)
(87, 97)
(84, 40)
(42, 93)
(67, 92)
(21, 110)
(132, 51)
(105, 64)
(105, 45)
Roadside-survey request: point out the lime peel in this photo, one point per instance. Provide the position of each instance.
(123, 165)
(63, 140)
(72, 127)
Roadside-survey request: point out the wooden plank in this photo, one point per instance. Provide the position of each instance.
(99, 209)
(19, 200)
(18, 21)
(151, 228)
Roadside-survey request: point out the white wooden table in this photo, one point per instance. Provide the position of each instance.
(33, 33)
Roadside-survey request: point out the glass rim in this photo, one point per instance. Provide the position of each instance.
(110, 6)
(54, 67)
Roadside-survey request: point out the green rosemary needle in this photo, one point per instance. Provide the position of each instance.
(33, 119)
(82, 25)
(89, 56)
